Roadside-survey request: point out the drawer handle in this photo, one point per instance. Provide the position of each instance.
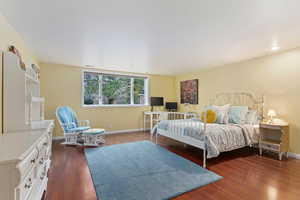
(41, 161)
(27, 186)
(32, 161)
(44, 173)
(42, 176)
(45, 143)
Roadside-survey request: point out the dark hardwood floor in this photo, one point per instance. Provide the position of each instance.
(246, 175)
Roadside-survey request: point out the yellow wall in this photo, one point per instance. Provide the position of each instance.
(8, 36)
(61, 85)
(277, 77)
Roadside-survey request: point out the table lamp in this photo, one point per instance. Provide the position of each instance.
(271, 115)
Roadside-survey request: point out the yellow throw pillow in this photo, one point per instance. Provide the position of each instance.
(211, 116)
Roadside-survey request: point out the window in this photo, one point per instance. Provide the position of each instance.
(114, 89)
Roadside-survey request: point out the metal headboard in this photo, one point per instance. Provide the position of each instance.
(240, 99)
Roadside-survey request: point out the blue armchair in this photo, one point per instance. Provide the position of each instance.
(75, 129)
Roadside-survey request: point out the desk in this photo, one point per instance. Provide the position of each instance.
(155, 117)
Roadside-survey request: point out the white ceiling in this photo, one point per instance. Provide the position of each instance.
(153, 36)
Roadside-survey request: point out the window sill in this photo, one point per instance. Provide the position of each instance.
(114, 106)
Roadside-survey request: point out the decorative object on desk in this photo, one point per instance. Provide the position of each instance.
(271, 115)
(161, 174)
(211, 116)
(156, 101)
(189, 91)
(15, 51)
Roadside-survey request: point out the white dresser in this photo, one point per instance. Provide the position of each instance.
(25, 159)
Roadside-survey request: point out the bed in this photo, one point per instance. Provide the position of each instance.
(215, 138)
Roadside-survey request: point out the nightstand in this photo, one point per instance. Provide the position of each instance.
(274, 137)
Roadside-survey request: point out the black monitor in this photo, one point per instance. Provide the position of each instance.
(172, 106)
(156, 101)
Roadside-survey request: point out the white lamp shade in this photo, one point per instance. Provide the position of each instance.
(271, 113)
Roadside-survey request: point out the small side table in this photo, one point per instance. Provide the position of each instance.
(274, 137)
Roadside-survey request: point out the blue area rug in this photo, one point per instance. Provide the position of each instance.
(143, 171)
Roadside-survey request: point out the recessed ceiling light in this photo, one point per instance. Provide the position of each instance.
(275, 48)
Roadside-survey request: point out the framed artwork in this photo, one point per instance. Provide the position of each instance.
(189, 91)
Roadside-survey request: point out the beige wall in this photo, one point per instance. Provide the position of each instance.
(277, 77)
(61, 85)
(8, 36)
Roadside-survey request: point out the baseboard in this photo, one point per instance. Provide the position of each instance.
(294, 155)
(107, 133)
(126, 131)
(58, 137)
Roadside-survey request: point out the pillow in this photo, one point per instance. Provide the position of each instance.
(222, 113)
(237, 114)
(211, 116)
(251, 117)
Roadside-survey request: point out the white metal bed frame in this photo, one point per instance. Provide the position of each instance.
(233, 98)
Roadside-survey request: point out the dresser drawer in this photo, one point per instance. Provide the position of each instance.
(43, 143)
(26, 186)
(43, 148)
(42, 172)
(28, 163)
(48, 153)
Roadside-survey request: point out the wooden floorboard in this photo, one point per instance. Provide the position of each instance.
(246, 175)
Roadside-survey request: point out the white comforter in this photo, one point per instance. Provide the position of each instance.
(218, 137)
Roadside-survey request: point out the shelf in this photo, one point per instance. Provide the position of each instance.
(270, 141)
(37, 99)
(34, 80)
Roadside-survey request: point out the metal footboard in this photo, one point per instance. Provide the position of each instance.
(178, 129)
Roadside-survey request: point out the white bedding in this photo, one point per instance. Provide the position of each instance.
(218, 137)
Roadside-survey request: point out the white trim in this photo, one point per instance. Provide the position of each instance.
(58, 137)
(107, 133)
(115, 105)
(147, 91)
(124, 131)
(116, 73)
(294, 155)
(131, 76)
(132, 90)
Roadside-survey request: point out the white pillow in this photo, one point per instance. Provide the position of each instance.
(222, 113)
(237, 114)
(251, 117)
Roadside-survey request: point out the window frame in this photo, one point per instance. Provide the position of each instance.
(132, 76)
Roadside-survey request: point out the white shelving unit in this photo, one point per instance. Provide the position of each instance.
(28, 77)
(35, 103)
(20, 86)
(36, 109)
(38, 99)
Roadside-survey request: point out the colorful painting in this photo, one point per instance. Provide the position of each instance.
(189, 91)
